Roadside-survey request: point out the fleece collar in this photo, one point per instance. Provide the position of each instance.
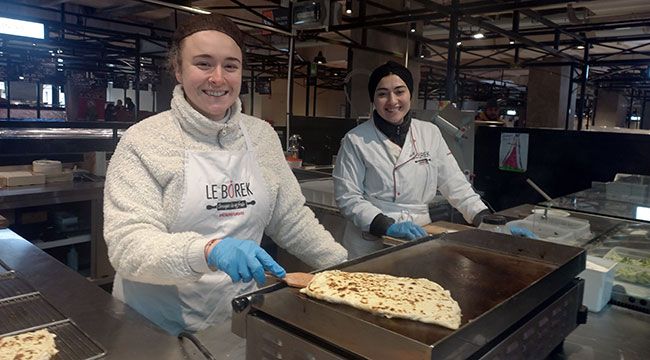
(199, 126)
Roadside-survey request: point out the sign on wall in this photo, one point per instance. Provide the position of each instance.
(513, 152)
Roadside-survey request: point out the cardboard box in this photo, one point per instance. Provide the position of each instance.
(18, 178)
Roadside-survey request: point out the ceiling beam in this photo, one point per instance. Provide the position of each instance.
(491, 27)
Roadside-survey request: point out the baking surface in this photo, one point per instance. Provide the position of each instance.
(481, 278)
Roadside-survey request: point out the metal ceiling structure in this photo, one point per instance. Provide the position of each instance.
(606, 43)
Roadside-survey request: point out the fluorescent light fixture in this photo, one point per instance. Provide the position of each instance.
(635, 118)
(478, 35)
(59, 60)
(178, 7)
(22, 28)
(21, 77)
(413, 26)
(511, 112)
(512, 42)
(580, 47)
(459, 43)
(642, 213)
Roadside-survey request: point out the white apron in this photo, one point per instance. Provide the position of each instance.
(224, 195)
(358, 243)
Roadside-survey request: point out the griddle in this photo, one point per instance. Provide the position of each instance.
(496, 279)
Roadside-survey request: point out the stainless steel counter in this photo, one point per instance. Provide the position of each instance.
(120, 330)
(613, 333)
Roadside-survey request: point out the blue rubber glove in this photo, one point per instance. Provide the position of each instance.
(406, 230)
(243, 260)
(522, 231)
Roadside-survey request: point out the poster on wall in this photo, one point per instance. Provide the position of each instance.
(513, 152)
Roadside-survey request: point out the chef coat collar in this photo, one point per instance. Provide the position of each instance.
(395, 133)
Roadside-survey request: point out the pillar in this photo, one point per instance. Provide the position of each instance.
(611, 109)
(548, 97)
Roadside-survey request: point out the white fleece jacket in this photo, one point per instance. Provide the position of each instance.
(144, 185)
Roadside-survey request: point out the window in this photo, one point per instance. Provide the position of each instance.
(46, 95)
(61, 97)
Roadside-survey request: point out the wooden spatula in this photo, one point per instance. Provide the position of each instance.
(296, 279)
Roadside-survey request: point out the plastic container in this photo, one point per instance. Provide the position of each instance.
(494, 223)
(599, 279)
(633, 265)
(552, 233)
(319, 192)
(580, 227)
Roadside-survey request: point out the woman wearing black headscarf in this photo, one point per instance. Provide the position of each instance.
(389, 169)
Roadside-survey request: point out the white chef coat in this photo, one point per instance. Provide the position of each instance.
(224, 195)
(373, 175)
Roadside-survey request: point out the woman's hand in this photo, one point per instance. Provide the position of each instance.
(406, 230)
(242, 260)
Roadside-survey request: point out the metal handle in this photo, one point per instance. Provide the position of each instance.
(240, 304)
(537, 188)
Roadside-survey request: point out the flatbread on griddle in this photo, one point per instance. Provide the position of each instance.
(35, 345)
(399, 297)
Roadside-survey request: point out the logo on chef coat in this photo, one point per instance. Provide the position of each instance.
(422, 158)
(230, 196)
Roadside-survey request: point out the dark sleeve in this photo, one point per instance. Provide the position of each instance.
(479, 217)
(380, 224)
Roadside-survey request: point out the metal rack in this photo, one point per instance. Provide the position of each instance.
(23, 309)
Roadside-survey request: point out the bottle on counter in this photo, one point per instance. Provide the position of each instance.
(495, 223)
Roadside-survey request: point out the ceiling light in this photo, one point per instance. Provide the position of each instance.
(320, 59)
(459, 43)
(511, 112)
(178, 7)
(21, 77)
(580, 47)
(59, 51)
(60, 60)
(348, 7)
(413, 26)
(478, 35)
(512, 42)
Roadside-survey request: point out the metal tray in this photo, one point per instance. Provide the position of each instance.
(26, 311)
(72, 343)
(496, 279)
(11, 286)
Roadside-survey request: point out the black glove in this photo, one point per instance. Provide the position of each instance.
(478, 218)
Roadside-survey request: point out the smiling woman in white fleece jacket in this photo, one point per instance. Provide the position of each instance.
(144, 186)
